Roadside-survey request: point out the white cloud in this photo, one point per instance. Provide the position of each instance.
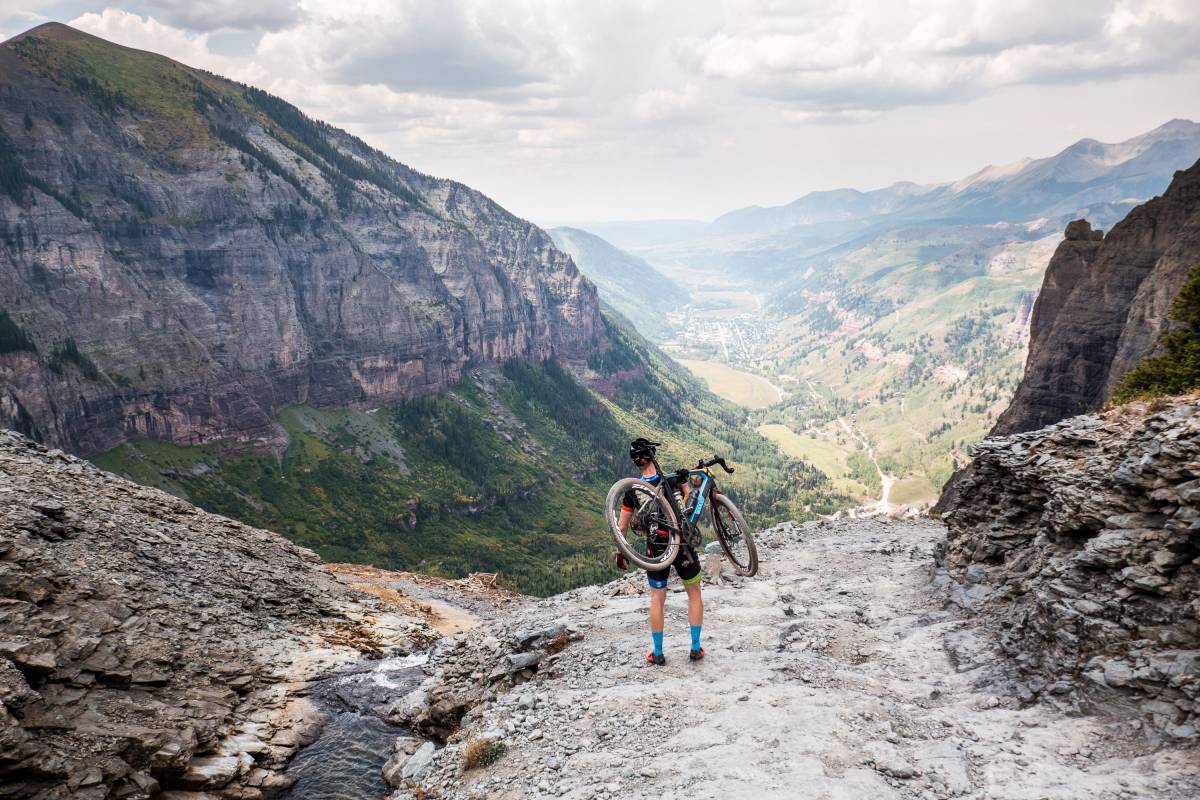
(217, 15)
(492, 92)
(869, 56)
(665, 106)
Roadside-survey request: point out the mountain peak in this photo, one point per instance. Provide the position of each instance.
(990, 174)
(1174, 129)
(55, 30)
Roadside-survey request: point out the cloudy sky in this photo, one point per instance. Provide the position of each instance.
(607, 109)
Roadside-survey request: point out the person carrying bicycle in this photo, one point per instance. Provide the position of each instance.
(686, 563)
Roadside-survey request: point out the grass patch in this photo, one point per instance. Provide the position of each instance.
(736, 386)
(909, 491)
(161, 92)
(482, 753)
(824, 455)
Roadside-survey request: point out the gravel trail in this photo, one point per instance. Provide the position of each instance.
(835, 673)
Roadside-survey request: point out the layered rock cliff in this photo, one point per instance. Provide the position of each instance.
(183, 256)
(1080, 544)
(146, 645)
(1103, 305)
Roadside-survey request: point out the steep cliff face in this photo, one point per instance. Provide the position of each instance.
(187, 256)
(1103, 305)
(1075, 535)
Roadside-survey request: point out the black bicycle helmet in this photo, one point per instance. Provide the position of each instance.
(642, 448)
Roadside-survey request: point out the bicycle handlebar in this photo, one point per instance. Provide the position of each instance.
(706, 463)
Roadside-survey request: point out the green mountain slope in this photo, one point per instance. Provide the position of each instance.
(641, 293)
(506, 471)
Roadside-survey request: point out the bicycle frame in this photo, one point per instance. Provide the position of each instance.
(707, 485)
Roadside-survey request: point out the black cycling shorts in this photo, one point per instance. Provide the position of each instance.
(687, 567)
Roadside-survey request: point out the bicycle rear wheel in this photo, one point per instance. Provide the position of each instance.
(734, 535)
(642, 541)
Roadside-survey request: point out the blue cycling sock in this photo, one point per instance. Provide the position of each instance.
(657, 637)
(695, 637)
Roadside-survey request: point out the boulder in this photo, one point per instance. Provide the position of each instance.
(416, 765)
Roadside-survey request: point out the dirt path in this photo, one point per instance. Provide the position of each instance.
(884, 504)
(829, 676)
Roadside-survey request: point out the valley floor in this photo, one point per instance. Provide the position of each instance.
(836, 674)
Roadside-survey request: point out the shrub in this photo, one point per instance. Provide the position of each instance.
(13, 337)
(1174, 367)
(69, 353)
(482, 753)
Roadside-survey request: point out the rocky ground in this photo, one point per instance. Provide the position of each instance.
(150, 650)
(840, 671)
(147, 647)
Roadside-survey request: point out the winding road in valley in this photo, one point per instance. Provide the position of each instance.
(884, 504)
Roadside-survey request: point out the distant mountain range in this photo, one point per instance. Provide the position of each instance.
(628, 283)
(1086, 174)
(903, 313)
(1102, 181)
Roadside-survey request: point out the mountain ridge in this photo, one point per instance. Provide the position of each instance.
(630, 284)
(1022, 176)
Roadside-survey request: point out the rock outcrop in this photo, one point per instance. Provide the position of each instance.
(146, 645)
(185, 256)
(1080, 544)
(1103, 305)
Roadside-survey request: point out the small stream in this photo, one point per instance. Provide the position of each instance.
(346, 761)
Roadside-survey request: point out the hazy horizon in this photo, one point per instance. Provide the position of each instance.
(571, 115)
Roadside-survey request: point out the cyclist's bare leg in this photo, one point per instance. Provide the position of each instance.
(658, 602)
(695, 605)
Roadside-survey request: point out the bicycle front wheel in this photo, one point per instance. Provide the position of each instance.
(734, 535)
(649, 538)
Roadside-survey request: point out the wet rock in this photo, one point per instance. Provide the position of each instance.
(211, 772)
(442, 718)
(393, 769)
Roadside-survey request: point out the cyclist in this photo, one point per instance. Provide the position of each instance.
(686, 564)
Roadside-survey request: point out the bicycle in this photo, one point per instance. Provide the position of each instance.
(654, 534)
